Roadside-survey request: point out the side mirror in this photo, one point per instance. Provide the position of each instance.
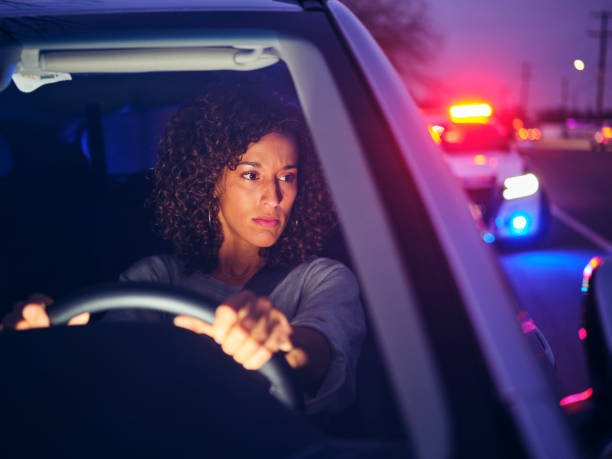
(597, 326)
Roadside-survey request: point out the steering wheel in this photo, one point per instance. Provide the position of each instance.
(172, 300)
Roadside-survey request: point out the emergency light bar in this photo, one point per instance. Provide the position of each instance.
(470, 113)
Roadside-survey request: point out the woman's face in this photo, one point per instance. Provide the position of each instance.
(255, 200)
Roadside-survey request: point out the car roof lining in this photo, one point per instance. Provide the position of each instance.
(58, 7)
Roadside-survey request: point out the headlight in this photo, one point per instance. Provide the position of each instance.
(520, 186)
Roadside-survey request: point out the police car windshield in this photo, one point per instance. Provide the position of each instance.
(458, 138)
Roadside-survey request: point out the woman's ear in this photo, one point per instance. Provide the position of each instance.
(219, 186)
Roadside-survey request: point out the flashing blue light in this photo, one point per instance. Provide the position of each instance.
(519, 224)
(488, 237)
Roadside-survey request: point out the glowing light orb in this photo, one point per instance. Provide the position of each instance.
(519, 223)
(579, 64)
(488, 237)
(520, 186)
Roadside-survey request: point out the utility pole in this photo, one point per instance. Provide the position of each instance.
(603, 35)
(525, 79)
(564, 95)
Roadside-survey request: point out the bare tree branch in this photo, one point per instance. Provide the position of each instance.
(403, 30)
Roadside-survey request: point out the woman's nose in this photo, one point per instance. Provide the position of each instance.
(272, 193)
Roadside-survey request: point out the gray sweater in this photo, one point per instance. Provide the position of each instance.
(320, 293)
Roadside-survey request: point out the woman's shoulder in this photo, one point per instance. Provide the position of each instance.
(316, 270)
(162, 268)
(316, 263)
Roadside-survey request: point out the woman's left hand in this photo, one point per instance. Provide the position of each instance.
(248, 327)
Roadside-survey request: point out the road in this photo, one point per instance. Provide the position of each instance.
(547, 277)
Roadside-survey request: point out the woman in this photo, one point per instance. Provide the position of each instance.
(237, 188)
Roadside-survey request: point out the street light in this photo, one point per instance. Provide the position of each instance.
(579, 64)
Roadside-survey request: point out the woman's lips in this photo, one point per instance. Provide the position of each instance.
(267, 221)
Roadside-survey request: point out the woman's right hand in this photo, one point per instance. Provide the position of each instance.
(32, 314)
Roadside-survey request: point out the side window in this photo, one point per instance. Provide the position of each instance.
(131, 138)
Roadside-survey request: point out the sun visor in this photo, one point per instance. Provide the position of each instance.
(37, 68)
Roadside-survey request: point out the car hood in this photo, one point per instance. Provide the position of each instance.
(481, 167)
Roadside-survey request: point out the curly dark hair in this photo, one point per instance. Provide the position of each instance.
(211, 134)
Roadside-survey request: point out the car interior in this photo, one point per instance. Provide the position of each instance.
(74, 184)
(74, 165)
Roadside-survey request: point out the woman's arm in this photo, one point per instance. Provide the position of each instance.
(310, 357)
(329, 303)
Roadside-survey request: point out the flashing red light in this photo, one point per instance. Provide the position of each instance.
(593, 263)
(575, 398)
(436, 131)
(528, 326)
(537, 134)
(587, 272)
(453, 136)
(470, 113)
(534, 134)
(582, 334)
(517, 124)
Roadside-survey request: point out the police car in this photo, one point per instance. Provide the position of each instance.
(506, 200)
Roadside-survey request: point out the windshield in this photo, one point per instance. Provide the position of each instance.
(470, 137)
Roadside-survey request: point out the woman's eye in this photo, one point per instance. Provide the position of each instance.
(250, 175)
(289, 178)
